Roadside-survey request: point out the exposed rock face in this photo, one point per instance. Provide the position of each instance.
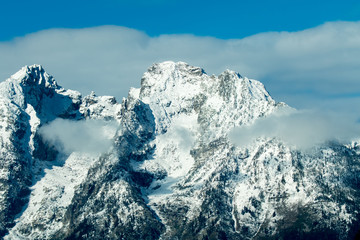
(171, 172)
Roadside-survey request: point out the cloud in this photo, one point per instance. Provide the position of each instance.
(182, 132)
(302, 68)
(90, 136)
(300, 129)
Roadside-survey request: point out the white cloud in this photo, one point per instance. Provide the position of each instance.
(302, 68)
(91, 136)
(300, 129)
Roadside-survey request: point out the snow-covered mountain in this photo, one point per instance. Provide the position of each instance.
(169, 170)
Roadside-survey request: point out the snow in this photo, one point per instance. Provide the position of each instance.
(53, 191)
(173, 148)
(34, 124)
(100, 107)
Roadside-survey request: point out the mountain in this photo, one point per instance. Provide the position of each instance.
(167, 168)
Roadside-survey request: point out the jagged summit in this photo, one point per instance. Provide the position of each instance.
(229, 99)
(34, 75)
(172, 66)
(168, 75)
(171, 171)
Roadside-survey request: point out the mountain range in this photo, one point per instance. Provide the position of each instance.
(161, 164)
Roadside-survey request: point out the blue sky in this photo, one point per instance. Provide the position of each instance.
(225, 19)
(307, 53)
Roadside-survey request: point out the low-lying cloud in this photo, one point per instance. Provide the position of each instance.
(301, 68)
(299, 129)
(89, 136)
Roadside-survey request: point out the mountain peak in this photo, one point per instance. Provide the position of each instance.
(180, 80)
(34, 75)
(181, 88)
(231, 72)
(170, 66)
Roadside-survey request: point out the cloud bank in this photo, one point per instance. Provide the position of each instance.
(300, 129)
(302, 68)
(90, 136)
